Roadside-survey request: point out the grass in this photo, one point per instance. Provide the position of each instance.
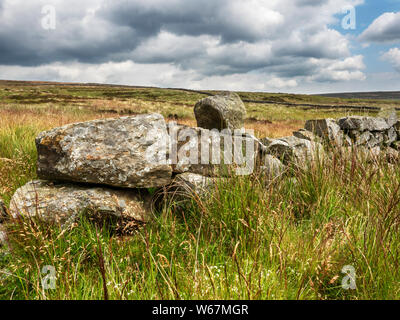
(250, 239)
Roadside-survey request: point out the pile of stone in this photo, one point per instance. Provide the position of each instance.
(109, 166)
(112, 167)
(364, 133)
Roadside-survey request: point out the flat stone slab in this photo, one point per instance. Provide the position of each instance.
(295, 150)
(360, 123)
(63, 203)
(125, 152)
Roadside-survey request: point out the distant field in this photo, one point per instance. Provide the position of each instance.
(386, 95)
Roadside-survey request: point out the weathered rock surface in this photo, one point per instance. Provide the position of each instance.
(63, 203)
(390, 136)
(294, 150)
(272, 166)
(189, 183)
(369, 139)
(125, 152)
(224, 111)
(210, 152)
(360, 123)
(305, 134)
(327, 129)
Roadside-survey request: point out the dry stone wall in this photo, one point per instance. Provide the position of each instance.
(108, 166)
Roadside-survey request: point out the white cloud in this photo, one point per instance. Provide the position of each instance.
(393, 56)
(384, 29)
(229, 44)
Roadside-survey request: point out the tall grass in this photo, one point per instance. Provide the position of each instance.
(251, 239)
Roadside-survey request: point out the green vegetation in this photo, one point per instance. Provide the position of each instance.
(252, 239)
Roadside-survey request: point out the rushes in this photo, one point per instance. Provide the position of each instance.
(253, 239)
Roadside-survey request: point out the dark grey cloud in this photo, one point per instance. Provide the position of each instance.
(207, 38)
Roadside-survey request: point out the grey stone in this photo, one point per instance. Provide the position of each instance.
(328, 129)
(266, 141)
(305, 134)
(295, 150)
(224, 111)
(63, 203)
(392, 118)
(370, 139)
(211, 152)
(272, 166)
(190, 183)
(360, 123)
(390, 136)
(124, 152)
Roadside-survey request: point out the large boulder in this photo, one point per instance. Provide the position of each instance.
(125, 152)
(211, 152)
(292, 150)
(361, 124)
(327, 129)
(223, 111)
(63, 203)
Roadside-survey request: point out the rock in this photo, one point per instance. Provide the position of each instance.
(224, 111)
(326, 129)
(347, 142)
(212, 153)
(392, 118)
(190, 183)
(63, 203)
(369, 139)
(361, 124)
(390, 136)
(3, 212)
(272, 166)
(266, 141)
(295, 150)
(305, 134)
(124, 152)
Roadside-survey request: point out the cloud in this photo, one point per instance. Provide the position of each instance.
(271, 43)
(393, 57)
(384, 29)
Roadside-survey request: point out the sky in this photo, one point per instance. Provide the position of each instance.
(295, 46)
